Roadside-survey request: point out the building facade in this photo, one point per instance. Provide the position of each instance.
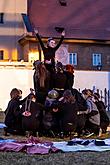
(83, 54)
(11, 28)
(87, 41)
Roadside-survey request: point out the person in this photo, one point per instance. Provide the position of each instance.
(59, 79)
(13, 115)
(32, 113)
(51, 97)
(93, 116)
(68, 111)
(50, 118)
(41, 80)
(49, 51)
(69, 72)
(81, 112)
(104, 119)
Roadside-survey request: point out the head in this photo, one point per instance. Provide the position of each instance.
(36, 64)
(53, 94)
(70, 68)
(87, 93)
(51, 43)
(14, 94)
(59, 67)
(68, 96)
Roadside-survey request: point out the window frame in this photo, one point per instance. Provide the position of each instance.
(1, 18)
(74, 58)
(1, 54)
(96, 59)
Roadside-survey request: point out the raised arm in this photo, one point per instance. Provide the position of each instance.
(39, 38)
(60, 42)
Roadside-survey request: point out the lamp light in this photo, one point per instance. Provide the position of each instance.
(99, 66)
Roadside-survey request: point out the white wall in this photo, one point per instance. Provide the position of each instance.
(23, 79)
(14, 78)
(91, 79)
(13, 6)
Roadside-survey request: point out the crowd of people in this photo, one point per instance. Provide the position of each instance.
(54, 107)
(73, 112)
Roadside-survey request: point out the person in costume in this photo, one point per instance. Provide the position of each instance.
(49, 50)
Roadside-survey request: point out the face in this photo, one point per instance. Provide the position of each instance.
(52, 43)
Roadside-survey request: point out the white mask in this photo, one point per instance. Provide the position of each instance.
(52, 43)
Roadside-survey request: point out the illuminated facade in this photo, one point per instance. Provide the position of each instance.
(87, 40)
(11, 28)
(87, 26)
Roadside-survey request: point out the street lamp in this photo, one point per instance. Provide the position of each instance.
(99, 66)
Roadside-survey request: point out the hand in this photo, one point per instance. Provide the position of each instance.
(35, 31)
(63, 33)
(31, 90)
(48, 61)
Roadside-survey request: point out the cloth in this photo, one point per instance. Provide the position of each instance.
(78, 144)
(2, 125)
(30, 146)
(35, 146)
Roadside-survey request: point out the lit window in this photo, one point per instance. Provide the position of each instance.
(1, 54)
(1, 18)
(96, 58)
(73, 58)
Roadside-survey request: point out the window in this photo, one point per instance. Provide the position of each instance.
(73, 58)
(1, 17)
(96, 59)
(1, 54)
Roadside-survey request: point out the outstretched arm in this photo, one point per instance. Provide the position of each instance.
(39, 38)
(60, 42)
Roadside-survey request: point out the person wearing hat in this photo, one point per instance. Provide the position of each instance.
(49, 51)
(52, 96)
(51, 115)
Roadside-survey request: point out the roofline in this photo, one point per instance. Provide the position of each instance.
(30, 37)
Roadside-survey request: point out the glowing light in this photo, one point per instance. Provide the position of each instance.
(33, 56)
(14, 55)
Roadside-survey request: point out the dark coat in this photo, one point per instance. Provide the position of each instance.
(70, 80)
(104, 119)
(68, 116)
(59, 80)
(32, 122)
(13, 114)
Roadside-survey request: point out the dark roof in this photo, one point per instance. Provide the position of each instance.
(82, 19)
